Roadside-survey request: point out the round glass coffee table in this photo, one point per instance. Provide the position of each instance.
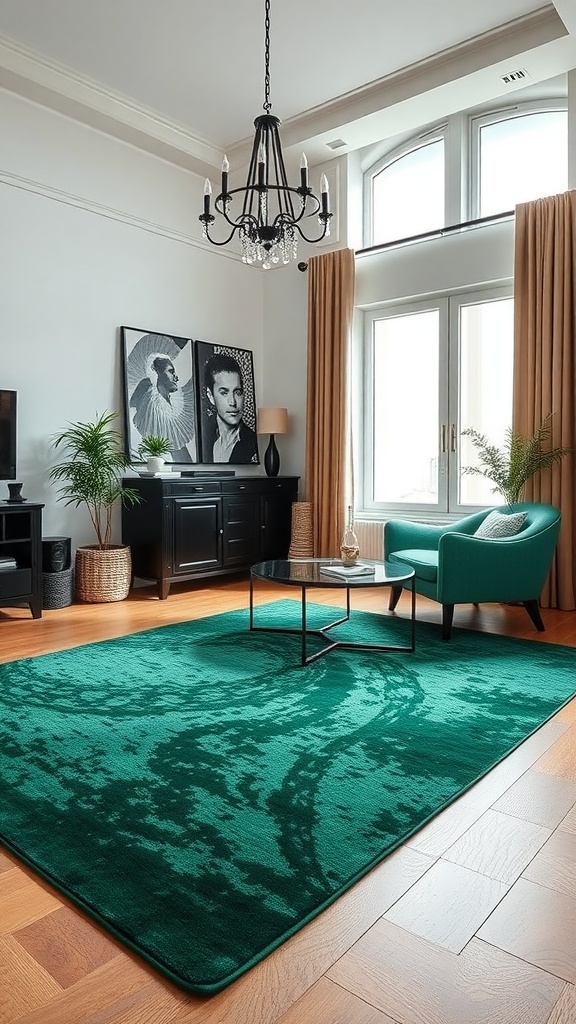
(308, 574)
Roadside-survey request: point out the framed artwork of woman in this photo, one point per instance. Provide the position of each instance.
(160, 394)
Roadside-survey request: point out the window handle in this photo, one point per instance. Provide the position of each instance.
(443, 438)
(453, 437)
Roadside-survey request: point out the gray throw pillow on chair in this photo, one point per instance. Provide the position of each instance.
(498, 524)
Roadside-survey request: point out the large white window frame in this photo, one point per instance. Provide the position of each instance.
(448, 428)
(413, 271)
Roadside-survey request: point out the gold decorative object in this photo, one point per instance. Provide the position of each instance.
(349, 547)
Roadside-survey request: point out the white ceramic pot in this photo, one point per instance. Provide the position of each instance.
(155, 464)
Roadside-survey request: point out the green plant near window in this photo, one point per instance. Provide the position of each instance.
(510, 467)
(154, 447)
(91, 472)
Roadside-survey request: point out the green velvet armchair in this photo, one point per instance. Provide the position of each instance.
(454, 567)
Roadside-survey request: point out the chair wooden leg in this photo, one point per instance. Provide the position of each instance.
(533, 610)
(395, 593)
(447, 617)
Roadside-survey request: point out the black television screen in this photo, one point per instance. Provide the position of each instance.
(7, 435)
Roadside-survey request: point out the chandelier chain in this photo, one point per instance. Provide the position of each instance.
(267, 104)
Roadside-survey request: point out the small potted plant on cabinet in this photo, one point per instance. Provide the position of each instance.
(153, 449)
(91, 475)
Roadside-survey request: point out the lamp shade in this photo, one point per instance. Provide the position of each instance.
(272, 421)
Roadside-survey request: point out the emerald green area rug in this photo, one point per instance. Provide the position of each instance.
(203, 796)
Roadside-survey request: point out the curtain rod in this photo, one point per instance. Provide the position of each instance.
(438, 233)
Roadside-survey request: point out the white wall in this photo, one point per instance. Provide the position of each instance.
(284, 362)
(454, 262)
(96, 234)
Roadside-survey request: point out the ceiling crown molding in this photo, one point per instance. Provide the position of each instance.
(455, 76)
(365, 112)
(44, 81)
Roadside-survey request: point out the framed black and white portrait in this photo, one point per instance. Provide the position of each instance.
(227, 404)
(160, 394)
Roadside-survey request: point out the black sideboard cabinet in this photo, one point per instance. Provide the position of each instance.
(193, 527)
(21, 541)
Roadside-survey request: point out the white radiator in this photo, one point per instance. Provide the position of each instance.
(370, 539)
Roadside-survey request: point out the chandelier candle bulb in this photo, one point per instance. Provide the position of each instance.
(225, 169)
(303, 171)
(324, 191)
(207, 194)
(261, 164)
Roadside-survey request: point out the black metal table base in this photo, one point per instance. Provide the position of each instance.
(304, 632)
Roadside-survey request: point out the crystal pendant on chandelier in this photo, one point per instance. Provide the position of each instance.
(269, 222)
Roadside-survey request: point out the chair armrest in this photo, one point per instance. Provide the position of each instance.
(475, 569)
(400, 534)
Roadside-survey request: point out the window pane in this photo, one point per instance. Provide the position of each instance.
(486, 353)
(408, 194)
(522, 158)
(406, 408)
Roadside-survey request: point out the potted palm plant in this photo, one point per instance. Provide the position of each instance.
(90, 474)
(152, 449)
(510, 467)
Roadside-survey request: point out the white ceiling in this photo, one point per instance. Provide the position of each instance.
(184, 78)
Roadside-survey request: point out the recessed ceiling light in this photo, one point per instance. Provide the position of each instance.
(336, 144)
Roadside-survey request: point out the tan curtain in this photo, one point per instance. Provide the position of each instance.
(330, 306)
(544, 363)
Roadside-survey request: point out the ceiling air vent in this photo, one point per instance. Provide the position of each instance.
(514, 76)
(336, 144)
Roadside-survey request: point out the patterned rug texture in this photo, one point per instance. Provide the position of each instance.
(203, 796)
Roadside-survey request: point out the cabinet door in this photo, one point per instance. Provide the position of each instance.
(276, 520)
(197, 534)
(241, 522)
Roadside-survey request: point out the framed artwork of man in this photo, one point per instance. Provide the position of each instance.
(227, 404)
(160, 394)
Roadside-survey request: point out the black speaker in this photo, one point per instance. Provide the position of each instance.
(56, 553)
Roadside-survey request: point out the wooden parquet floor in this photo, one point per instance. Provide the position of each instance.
(472, 921)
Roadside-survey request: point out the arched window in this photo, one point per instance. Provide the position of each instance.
(406, 193)
(518, 157)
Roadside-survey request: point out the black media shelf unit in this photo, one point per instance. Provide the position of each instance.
(195, 527)
(21, 539)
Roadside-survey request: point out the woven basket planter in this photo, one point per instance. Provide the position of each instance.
(103, 574)
(57, 589)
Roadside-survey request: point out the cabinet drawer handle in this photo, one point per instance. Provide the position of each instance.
(242, 487)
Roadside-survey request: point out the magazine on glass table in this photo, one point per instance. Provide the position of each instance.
(346, 572)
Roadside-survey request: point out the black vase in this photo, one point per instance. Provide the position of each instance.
(272, 458)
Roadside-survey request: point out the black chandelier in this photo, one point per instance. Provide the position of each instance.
(272, 210)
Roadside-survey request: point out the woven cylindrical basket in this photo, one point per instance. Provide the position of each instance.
(302, 539)
(57, 589)
(103, 574)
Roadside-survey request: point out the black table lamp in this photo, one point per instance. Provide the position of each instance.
(272, 421)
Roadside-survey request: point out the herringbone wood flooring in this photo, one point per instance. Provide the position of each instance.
(473, 921)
